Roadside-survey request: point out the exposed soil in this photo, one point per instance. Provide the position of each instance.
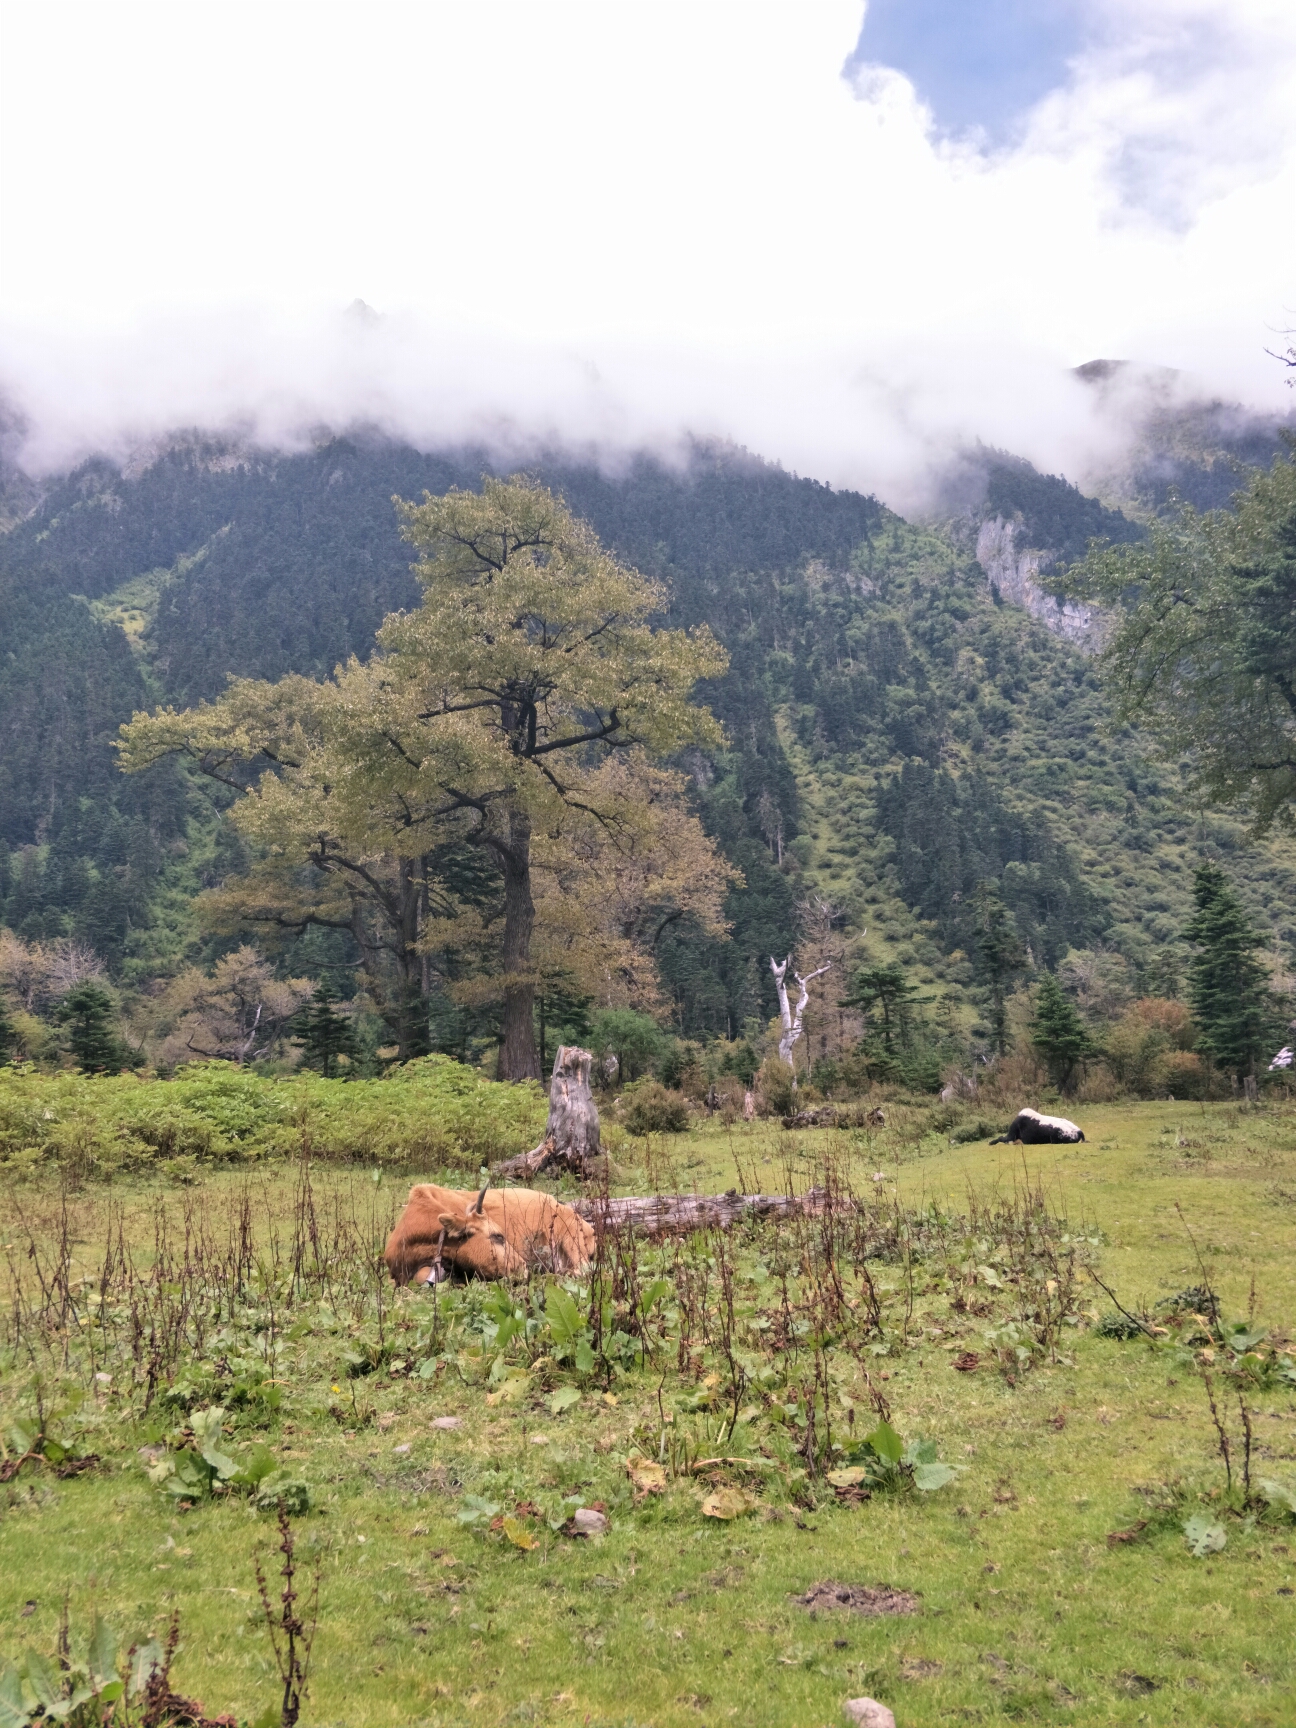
(859, 1598)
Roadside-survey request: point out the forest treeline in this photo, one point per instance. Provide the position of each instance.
(897, 745)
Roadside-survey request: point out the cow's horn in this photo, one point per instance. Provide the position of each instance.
(480, 1198)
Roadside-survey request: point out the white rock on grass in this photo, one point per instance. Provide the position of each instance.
(447, 1421)
(868, 1713)
(587, 1522)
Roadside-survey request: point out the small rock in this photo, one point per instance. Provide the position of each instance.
(447, 1421)
(539, 1439)
(587, 1522)
(404, 1448)
(869, 1713)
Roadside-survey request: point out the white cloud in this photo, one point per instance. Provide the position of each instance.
(619, 222)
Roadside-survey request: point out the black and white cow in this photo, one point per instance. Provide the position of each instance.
(1032, 1129)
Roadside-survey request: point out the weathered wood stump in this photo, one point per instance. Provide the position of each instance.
(571, 1140)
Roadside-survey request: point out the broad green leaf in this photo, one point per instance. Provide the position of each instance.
(1241, 1337)
(206, 1424)
(192, 1477)
(584, 1356)
(222, 1464)
(562, 1399)
(255, 1468)
(475, 1510)
(40, 1677)
(886, 1443)
(563, 1316)
(1204, 1536)
(146, 1658)
(13, 1712)
(1279, 1495)
(102, 1653)
(653, 1294)
(110, 1693)
(929, 1477)
(850, 1477)
(22, 1436)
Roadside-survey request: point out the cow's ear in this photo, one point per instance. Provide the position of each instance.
(454, 1223)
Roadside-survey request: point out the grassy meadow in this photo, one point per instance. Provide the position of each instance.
(714, 1400)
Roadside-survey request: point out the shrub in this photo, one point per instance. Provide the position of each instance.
(430, 1114)
(775, 1084)
(1183, 1074)
(653, 1109)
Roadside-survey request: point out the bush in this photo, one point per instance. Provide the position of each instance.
(967, 1132)
(775, 1087)
(432, 1114)
(652, 1109)
(1183, 1075)
(637, 1042)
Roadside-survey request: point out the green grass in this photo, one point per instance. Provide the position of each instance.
(1027, 1614)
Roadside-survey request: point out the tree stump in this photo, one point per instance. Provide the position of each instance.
(571, 1140)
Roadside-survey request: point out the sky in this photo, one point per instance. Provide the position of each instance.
(847, 238)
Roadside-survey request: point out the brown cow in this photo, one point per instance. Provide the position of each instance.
(492, 1235)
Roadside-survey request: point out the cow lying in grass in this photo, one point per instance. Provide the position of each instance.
(1032, 1129)
(495, 1234)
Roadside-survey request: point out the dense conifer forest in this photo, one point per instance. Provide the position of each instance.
(897, 734)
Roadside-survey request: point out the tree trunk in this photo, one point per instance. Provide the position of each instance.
(571, 1139)
(791, 1024)
(518, 1059)
(674, 1214)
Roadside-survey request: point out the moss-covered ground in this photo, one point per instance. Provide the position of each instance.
(430, 1611)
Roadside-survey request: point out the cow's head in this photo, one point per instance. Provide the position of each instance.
(475, 1243)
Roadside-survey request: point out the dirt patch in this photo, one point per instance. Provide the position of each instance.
(859, 1598)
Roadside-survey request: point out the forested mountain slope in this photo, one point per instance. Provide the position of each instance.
(897, 732)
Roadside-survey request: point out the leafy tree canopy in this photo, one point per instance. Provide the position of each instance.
(1204, 649)
(482, 728)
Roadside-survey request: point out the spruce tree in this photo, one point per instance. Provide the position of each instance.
(88, 1011)
(8, 1037)
(1000, 952)
(1227, 985)
(1059, 1034)
(323, 1034)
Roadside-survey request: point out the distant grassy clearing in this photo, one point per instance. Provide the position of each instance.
(1027, 1613)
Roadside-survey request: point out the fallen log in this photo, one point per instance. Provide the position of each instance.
(675, 1214)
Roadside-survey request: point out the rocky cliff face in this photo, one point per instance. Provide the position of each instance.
(1015, 571)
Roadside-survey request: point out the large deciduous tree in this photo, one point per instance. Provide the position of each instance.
(1203, 648)
(481, 729)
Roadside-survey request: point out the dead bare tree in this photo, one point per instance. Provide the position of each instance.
(792, 1022)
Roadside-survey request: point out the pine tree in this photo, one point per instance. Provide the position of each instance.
(1226, 983)
(8, 1037)
(88, 1011)
(324, 1034)
(887, 989)
(1059, 1034)
(999, 950)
